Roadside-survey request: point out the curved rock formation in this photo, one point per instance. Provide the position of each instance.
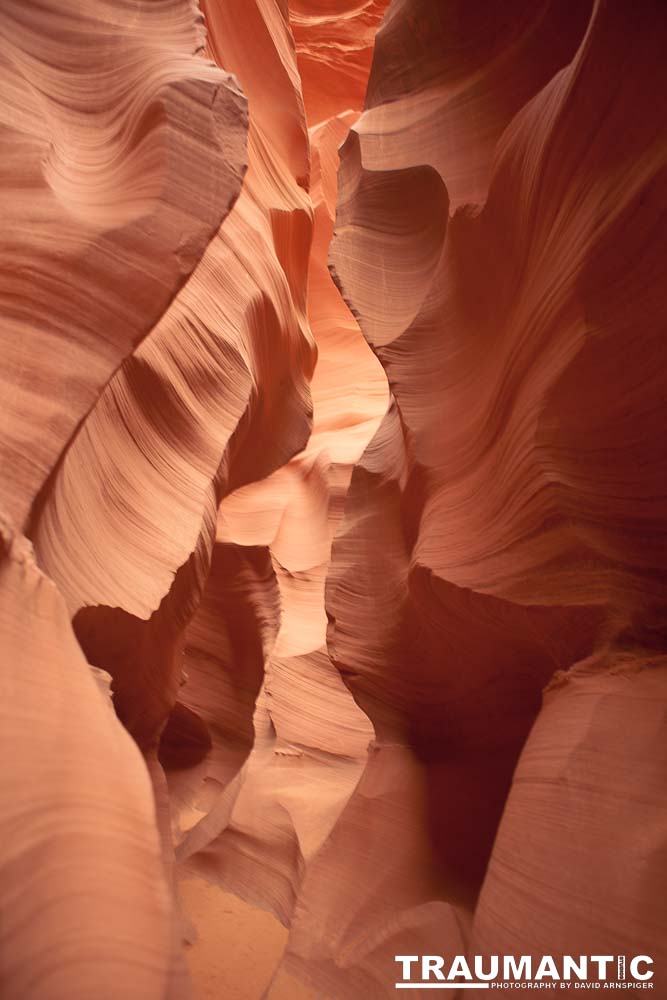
(85, 906)
(507, 519)
(112, 182)
(125, 522)
(333, 392)
(334, 45)
(259, 835)
(214, 397)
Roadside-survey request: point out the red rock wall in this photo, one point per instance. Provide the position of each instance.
(333, 400)
(505, 526)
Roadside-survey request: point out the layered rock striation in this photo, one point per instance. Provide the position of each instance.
(333, 484)
(503, 531)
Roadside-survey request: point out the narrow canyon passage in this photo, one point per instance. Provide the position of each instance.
(306, 740)
(333, 498)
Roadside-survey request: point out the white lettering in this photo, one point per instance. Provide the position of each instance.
(547, 967)
(580, 969)
(479, 967)
(634, 967)
(522, 969)
(459, 967)
(519, 970)
(406, 961)
(602, 963)
(432, 964)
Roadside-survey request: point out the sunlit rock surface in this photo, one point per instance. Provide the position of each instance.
(123, 149)
(332, 490)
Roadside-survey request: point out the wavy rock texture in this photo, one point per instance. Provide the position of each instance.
(367, 543)
(122, 151)
(508, 518)
(86, 910)
(125, 523)
(214, 397)
(256, 830)
(334, 44)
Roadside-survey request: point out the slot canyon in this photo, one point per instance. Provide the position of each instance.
(333, 494)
